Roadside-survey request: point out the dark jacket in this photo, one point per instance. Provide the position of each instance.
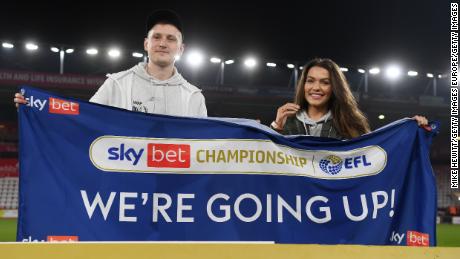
(294, 126)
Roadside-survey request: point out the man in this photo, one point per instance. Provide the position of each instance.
(155, 86)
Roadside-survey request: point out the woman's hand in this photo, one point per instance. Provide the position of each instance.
(422, 121)
(283, 112)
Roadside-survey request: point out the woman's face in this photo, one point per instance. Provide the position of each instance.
(318, 89)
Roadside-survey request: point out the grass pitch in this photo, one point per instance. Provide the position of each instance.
(448, 235)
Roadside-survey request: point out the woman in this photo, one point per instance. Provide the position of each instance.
(324, 105)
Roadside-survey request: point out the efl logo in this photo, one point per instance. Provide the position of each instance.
(417, 239)
(59, 106)
(62, 238)
(168, 155)
(365, 161)
(333, 164)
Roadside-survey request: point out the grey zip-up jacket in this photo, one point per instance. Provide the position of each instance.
(135, 90)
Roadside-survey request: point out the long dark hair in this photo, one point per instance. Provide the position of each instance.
(348, 119)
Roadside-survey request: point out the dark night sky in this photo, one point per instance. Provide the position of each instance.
(353, 33)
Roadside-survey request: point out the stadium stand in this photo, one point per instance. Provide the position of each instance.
(9, 193)
(253, 95)
(9, 180)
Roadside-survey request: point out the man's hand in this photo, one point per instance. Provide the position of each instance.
(19, 99)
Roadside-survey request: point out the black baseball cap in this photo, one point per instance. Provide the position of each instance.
(163, 16)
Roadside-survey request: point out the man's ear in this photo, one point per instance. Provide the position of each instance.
(181, 49)
(146, 41)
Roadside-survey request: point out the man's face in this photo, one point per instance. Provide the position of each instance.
(163, 44)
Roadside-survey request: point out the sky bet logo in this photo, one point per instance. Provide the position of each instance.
(122, 153)
(158, 155)
(56, 105)
(59, 106)
(415, 238)
(36, 103)
(168, 155)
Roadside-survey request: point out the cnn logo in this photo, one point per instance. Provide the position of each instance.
(168, 155)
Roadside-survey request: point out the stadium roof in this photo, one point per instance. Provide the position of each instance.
(354, 33)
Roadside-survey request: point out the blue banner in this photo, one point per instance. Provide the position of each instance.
(94, 173)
